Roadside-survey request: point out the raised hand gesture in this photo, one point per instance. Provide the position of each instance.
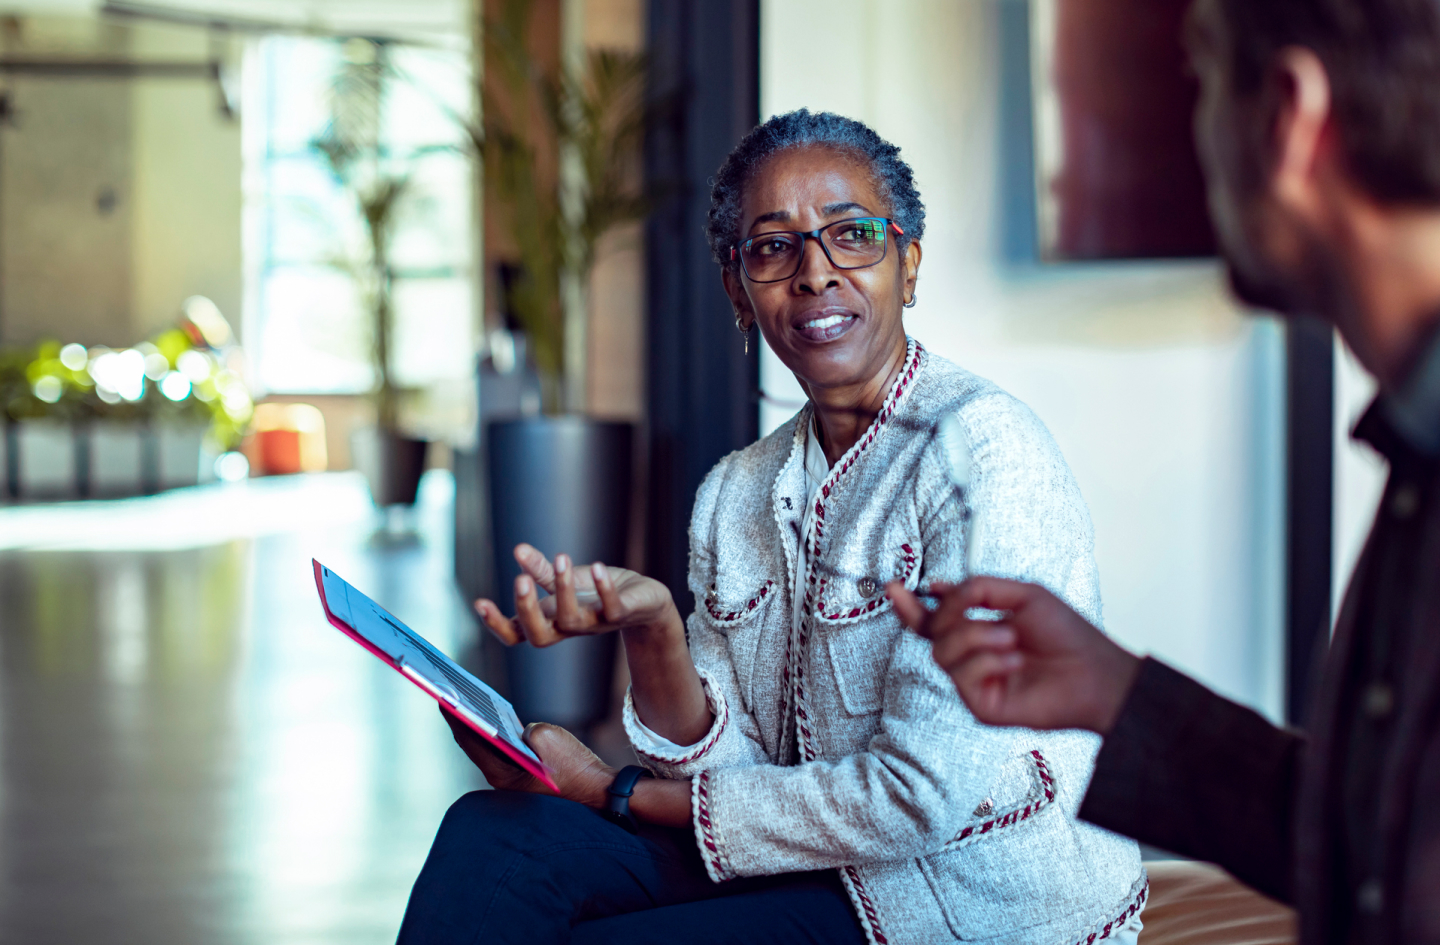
(594, 599)
(1041, 665)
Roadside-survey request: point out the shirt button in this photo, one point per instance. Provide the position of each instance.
(1370, 897)
(1405, 502)
(867, 586)
(1379, 700)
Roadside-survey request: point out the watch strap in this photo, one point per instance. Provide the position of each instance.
(617, 797)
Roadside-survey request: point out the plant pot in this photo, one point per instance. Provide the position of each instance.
(391, 462)
(180, 455)
(561, 484)
(47, 459)
(8, 474)
(116, 459)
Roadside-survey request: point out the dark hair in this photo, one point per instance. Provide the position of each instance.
(803, 128)
(1383, 61)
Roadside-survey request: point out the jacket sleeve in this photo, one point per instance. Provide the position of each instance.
(1188, 771)
(930, 763)
(734, 736)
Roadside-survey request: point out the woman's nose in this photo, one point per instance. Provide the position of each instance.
(816, 272)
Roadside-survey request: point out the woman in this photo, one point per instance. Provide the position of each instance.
(816, 777)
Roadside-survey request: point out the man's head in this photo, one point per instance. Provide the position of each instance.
(1308, 104)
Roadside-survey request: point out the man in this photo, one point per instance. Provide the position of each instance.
(1319, 130)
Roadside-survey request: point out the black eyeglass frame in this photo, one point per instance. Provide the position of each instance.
(736, 251)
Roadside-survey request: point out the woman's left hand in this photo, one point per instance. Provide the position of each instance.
(576, 770)
(582, 602)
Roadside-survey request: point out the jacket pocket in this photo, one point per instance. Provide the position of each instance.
(727, 611)
(853, 591)
(860, 659)
(1016, 863)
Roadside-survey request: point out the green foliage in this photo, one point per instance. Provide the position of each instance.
(596, 119)
(35, 384)
(351, 145)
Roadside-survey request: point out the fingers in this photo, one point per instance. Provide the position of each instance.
(497, 623)
(975, 636)
(536, 565)
(533, 622)
(570, 617)
(610, 605)
(907, 607)
(994, 593)
(983, 680)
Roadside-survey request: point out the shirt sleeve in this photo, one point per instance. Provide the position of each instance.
(1196, 774)
(664, 757)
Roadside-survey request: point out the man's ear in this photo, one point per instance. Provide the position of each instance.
(739, 301)
(1303, 142)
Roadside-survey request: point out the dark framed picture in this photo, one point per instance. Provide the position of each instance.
(1117, 174)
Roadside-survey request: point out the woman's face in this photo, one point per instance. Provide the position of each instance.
(832, 327)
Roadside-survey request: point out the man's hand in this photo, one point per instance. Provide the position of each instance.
(580, 775)
(1041, 665)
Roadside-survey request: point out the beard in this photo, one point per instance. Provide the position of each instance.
(1260, 290)
(1311, 282)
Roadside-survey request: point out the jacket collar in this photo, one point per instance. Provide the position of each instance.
(1410, 413)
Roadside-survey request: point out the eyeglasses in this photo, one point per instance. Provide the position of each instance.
(848, 244)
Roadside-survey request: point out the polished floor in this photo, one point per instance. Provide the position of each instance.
(188, 752)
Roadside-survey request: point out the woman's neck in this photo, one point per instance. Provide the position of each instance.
(843, 414)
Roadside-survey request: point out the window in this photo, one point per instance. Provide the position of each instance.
(307, 319)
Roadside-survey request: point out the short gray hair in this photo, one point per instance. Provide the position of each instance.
(804, 128)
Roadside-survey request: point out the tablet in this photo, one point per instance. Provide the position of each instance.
(405, 651)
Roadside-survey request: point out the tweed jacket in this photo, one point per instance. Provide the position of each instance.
(837, 741)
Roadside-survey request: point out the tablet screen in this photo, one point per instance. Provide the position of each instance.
(414, 656)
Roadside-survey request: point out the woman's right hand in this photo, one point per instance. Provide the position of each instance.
(582, 601)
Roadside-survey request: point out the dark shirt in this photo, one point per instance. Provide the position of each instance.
(1377, 685)
(1343, 823)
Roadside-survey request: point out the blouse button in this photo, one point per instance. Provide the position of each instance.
(1405, 502)
(867, 586)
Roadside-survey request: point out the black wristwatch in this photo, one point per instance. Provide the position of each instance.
(617, 797)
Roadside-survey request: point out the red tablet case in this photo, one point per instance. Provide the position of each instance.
(529, 764)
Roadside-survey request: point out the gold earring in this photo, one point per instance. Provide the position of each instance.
(744, 331)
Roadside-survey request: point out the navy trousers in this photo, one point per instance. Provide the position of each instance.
(509, 867)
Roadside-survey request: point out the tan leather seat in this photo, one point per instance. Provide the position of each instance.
(1201, 904)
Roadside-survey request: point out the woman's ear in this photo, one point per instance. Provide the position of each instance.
(739, 301)
(910, 271)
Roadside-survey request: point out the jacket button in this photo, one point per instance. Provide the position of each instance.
(1370, 897)
(867, 586)
(1405, 502)
(1379, 700)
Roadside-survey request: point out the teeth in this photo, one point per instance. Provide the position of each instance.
(830, 321)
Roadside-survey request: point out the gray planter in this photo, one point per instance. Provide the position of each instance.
(561, 484)
(392, 464)
(180, 458)
(46, 464)
(116, 459)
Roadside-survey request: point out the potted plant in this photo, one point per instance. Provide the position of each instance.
(391, 460)
(560, 481)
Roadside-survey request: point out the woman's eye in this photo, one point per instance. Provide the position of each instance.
(771, 247)
(860, 233)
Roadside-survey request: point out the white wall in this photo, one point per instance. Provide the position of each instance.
(1167, 401)
(166, 162)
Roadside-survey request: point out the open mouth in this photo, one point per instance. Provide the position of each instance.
(826, 327)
